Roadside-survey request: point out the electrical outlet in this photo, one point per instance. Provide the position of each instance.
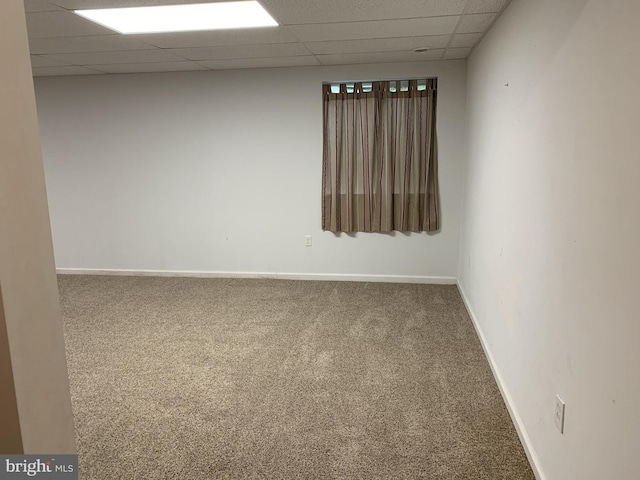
(559, 415)
(307, 241)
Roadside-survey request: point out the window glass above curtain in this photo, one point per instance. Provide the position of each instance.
(380, 156)
(394, 86)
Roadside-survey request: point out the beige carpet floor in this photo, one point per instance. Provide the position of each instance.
(176, 378)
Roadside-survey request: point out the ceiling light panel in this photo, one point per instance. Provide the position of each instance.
(181, 18)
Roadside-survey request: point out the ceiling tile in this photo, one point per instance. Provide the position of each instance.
(93, 43)
(456, 53)
(39, 6)
(298, 12)
(476, 23)
(149, 67)
(104, 58)
(251, 36)
(382, 57)
(79, 4)
(378, 44)
(300, 61)
(337, 31)
(384, 29)
(242, 51)
(465, 40)
(62, 24)
(486, 6)
(37, 61)
(66, 70)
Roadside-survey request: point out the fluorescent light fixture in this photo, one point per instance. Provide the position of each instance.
(181, 18)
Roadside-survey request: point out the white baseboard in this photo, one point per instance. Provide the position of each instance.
(513, 412)
(341, 277)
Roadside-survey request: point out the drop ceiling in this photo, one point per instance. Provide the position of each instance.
(311, 32)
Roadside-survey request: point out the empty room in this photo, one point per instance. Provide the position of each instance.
(341, 239)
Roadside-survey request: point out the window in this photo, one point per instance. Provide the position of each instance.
(380, 156)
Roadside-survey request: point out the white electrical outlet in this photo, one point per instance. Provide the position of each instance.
(559, 415)
(307, 241)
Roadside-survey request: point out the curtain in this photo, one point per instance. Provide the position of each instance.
(380, 157)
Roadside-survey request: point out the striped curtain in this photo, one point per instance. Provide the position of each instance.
(380, 157)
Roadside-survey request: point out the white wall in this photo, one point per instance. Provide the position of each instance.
(549, 254)
(221, 171)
